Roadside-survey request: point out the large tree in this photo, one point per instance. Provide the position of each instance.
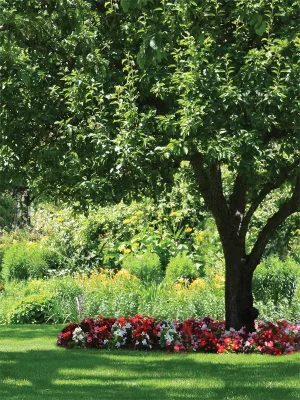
(103, 99)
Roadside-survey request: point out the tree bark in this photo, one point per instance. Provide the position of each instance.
(239, 310)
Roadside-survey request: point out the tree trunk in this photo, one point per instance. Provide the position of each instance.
(238, 293)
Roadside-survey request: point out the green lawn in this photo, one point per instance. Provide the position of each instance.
(32, 367)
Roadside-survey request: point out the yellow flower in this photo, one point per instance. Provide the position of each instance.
(175, 214)
(183, 282)
(45, 237)
(126, 221)
(124, 249)
(60, 219)
(198, 283)
(199, 237)
(31, 244)
(123, 273)
(139, 213)
(217, 280)
(218, 286)
(188, 230)
(220, 277)
(135, 244)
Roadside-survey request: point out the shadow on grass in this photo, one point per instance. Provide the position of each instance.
(87, 374)
(36, 331)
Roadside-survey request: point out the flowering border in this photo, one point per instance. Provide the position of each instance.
(203, 335)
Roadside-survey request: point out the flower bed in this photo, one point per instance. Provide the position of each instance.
(203, 335)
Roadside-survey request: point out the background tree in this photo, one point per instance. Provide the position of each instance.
(121, 92)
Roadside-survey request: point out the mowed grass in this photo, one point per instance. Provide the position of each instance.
(33, 367)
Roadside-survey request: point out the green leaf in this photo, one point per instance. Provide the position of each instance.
(125, 4)
(141, 59)
(260, 28)
(201, 38)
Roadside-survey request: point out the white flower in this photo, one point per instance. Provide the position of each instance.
(137, 343)
(128, 325)
(105, 341)
(118, 345)
(78, 335)
(121, 332)
(204, 326)
(144, 342)
(168, 338)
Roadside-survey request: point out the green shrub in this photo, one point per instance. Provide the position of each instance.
(24, 260)
(8, 237)
(33, 309)
(275, 312)
(180, 302)
(40, 300)
(145, 266)
(64, 305)
(181, 267)
(209, 301)
(105, 235)
(275, 280)
(112, 296)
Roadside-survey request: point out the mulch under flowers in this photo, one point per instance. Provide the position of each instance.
(203, 335)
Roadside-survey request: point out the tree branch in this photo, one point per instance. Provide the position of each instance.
(267, 188)
(209, 179)
(275, 133)
(202, 178)
(285, 210)
(218, 200)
